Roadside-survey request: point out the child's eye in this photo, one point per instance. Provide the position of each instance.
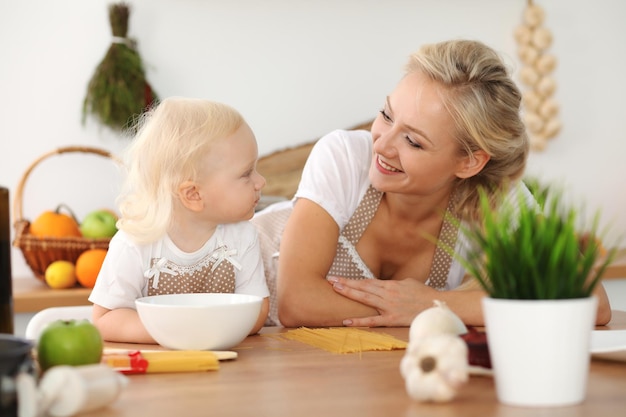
(248, 173)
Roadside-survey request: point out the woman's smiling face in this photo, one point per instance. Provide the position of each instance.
(414, 148)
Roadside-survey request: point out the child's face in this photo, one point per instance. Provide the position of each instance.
(232, 186)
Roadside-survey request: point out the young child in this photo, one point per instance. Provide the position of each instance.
(191, 186)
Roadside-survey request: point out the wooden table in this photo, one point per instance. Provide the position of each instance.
(617, 269)
(275, 377)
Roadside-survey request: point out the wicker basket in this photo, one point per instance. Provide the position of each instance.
(39, 252)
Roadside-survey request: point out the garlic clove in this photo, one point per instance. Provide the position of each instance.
(533, 122)
(538, 143)
(534, 15)
(523, 34)
(546, 86)
(528, 54)
(529, 76)
(552, 128)
(542, 38)
(532, 101)
(548, 109)
(545, 64)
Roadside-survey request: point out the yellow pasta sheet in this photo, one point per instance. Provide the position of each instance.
(344, 339)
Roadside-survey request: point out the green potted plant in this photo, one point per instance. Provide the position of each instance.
(539, 268)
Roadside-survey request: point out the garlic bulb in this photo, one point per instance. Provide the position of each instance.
(541, 111)
(27, 395)
(434, 368)
(436, 320)
(68, 390)
(436, 360)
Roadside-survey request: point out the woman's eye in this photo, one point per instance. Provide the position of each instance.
(412, 143)
(385, 115)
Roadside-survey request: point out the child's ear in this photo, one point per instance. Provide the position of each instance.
(471, 165)
(190, 196)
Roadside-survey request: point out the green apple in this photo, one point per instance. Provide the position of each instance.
(69, 342)
(99, 224)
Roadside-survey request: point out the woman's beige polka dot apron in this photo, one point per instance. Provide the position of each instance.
(347, 262)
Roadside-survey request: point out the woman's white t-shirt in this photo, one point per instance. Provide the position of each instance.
(336, 176)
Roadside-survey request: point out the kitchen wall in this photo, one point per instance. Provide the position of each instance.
(296, 69)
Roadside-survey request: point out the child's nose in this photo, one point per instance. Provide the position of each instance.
(261, 182)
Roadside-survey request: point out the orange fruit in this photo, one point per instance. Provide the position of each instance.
(55, 224)
(88, 266)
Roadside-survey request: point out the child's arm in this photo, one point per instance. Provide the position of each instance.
(265, 308)
(120, 325)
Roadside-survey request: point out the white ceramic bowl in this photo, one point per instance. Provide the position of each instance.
(199, 321)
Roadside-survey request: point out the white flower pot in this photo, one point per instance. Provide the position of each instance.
(540, 349)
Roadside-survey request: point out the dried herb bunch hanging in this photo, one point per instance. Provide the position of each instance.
(118, 90)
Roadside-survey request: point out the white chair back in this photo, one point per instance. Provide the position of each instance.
(48, 315)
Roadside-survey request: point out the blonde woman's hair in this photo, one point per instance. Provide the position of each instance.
(171, 141)
(485, 105)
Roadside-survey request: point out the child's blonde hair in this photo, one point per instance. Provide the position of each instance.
(172, 140)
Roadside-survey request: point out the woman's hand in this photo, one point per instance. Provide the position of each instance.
(604, 307)
(397, 302)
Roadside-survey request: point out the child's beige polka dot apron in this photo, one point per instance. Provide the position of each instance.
(214, 273)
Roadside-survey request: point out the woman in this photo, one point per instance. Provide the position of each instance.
(370, 205)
